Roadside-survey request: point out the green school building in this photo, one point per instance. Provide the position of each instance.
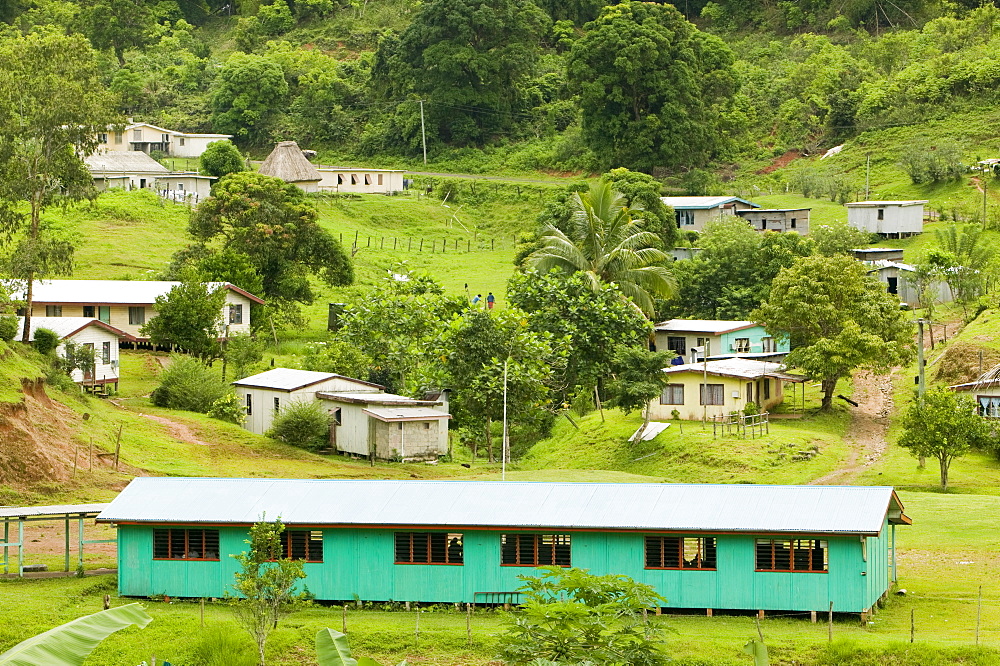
(735, 547)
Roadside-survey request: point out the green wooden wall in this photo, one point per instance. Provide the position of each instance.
(360, 562)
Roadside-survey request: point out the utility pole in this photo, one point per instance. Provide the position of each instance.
(984, 201)
(921, 384)
(704, 384)
(868, 171)
(423, 135)
(503, 450)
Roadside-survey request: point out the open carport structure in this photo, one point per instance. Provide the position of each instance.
(15, 517)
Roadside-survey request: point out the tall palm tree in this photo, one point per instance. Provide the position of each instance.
(608, 246)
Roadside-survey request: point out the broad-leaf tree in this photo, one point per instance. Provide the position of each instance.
(265, 583)
(52, 107)
(638, 378)
(571, 616)
(963, 256)
(944, 425)
(189, 317)
(473, 353)
(653, 88)
(596, 323)
(838, 318)
(606, 245)
(274, 226)
(248, 96)
(118, 24)
(466, 58)
(221, 158)
(733, 273)
(394, 327)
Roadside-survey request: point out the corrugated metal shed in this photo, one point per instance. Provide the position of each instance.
(611, 506)
(390, 414)
(881, 204)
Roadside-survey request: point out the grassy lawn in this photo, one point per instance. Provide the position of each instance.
(949, 551)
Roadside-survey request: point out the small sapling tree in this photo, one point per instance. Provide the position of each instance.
(571, 616)
(639, 378)
(189, 316)
(944, 425)
(265, 583)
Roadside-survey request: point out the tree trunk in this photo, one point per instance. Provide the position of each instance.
(944, 473)
(29, 295)
(489, 440)
(828, 386)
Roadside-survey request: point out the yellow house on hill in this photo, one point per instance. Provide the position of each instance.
(722, 386)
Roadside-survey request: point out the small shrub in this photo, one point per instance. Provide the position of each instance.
(220, 645)
(302, 424)
(229, 408)
(8, 327)
(46, 341)
(187, 384)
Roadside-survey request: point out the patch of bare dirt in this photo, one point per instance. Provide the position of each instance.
(781, 162)
(178, 431)
(869, 423)
(36, 437)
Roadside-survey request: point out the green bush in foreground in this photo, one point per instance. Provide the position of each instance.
(302, 424)
(189, 385)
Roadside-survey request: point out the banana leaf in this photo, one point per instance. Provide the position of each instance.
(69, 644)
(332, 650)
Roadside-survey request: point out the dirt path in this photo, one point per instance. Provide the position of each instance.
(178, 431)
(869, 423)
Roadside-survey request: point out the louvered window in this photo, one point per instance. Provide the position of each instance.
(185, 544)
(535, 550)
(429, 548)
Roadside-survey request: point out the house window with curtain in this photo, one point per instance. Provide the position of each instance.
(713, 394)
(673, 394)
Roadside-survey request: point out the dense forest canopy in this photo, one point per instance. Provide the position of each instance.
(647, 86)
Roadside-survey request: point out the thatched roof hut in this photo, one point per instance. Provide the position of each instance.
(288, 163)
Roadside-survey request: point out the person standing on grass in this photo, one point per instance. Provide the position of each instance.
(490, 300)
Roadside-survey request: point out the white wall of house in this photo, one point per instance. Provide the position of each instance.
(105, 346)
(193, 145)
(352, 432)
(130, 318)
(182, 186)
(260, 406)
(887, 218)
(361, 181)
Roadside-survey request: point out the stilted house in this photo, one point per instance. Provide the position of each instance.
(94, 335)
(288, 163)
(888, 219)
(739, 547)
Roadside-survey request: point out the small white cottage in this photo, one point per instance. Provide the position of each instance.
(361, 181)
(389, 426)
(127, 170)
(266, 393)
(889, 219)
(288, 163)
(100, 338)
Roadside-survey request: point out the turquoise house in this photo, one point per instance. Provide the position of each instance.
(690, 339)
(746, 547)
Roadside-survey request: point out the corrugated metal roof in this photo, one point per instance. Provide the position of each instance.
(67, 326)
(406, 413)
(131, 161)
(745, 368)
(617, 506)
(131, 292)
(374, 398)
(879, 204)
(291, 379)
(703, 202)
(702, 325)
(51, 510)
